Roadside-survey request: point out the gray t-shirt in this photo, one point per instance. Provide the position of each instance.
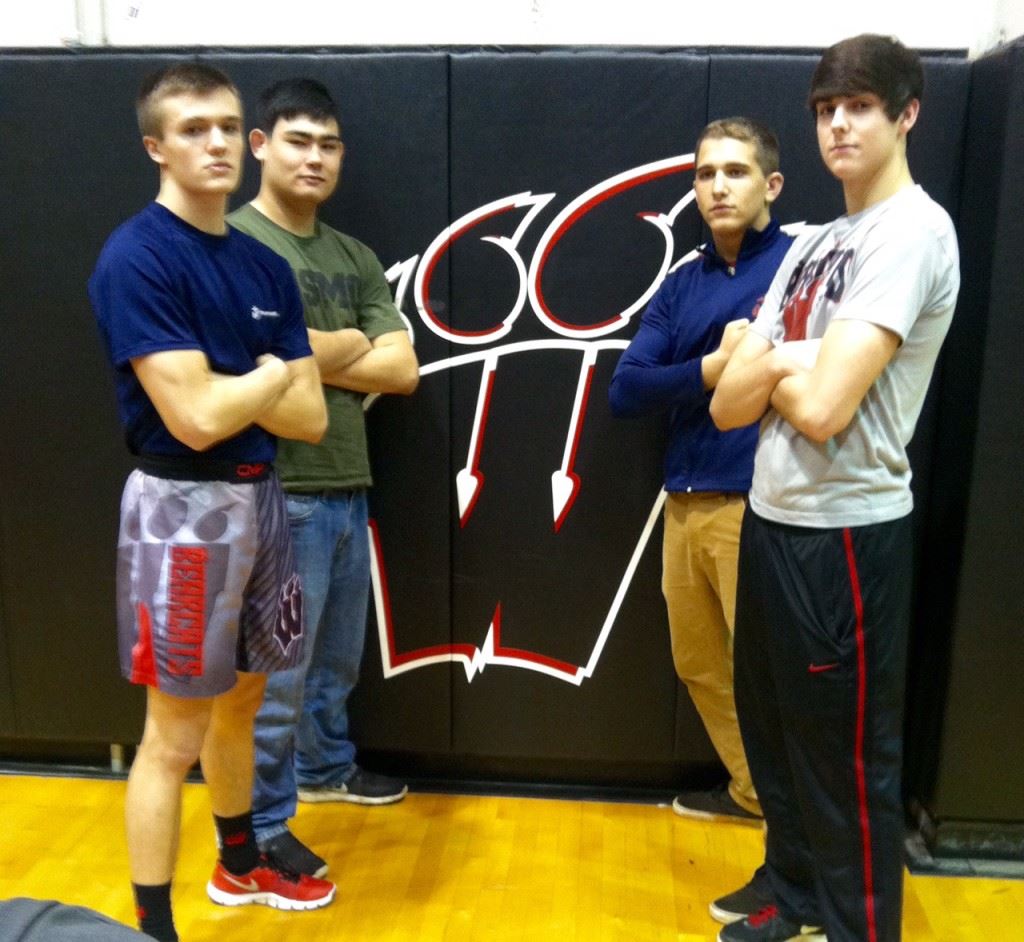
(896, 265)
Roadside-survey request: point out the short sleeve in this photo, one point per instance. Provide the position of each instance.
(138, 308)
(377, 313)
(893, 277)
(292, 339)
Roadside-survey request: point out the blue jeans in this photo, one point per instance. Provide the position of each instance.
(302, 727)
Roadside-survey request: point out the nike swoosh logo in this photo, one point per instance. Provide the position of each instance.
(821, 668)
(251, 885)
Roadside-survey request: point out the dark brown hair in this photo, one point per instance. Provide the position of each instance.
(880, 65)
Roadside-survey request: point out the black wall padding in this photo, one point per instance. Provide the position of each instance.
(561, 124)
(6, 696)
(545, 683)
(395, 197)
(972, 701)
(62, 464)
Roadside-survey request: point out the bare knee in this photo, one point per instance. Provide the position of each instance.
(174, 733)
(172, 751)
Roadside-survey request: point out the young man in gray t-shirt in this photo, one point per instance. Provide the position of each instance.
(836, 366)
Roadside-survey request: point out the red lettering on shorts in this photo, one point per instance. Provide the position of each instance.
(186, 610)
(185, 667)
(185, 633)
(187, 572)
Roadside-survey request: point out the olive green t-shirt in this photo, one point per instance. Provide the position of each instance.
(342, 285)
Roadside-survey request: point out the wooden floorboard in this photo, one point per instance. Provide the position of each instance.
(452, 868)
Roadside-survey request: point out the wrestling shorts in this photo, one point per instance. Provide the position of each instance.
(206, 581)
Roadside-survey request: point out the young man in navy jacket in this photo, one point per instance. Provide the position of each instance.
(673, 364)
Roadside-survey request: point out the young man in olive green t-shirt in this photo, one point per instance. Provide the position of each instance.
(361, 346)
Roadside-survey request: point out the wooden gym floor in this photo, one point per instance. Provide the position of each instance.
(444, 867)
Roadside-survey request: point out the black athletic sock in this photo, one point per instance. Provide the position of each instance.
(238, 850)
(153, 909)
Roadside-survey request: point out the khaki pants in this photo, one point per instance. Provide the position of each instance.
(699, 558)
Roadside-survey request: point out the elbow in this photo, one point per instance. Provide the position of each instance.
(821, 424)
(728, 413)
(313, 425)
(197, 442)
(821, 431)
(408, 381)
(197, 434)
(720, 416)
(621, 403)
(402, 377)
(312, 435)
(317, 429)
(409, 375)
(616, 403)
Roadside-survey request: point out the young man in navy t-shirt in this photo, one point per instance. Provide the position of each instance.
(205, 332)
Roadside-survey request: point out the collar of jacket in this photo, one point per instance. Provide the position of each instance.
(753, 243)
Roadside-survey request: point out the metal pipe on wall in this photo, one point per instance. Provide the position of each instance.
(91, 22)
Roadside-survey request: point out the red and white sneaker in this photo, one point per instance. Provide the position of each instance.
(269, 884)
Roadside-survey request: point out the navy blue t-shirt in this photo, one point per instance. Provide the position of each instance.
(161, 284)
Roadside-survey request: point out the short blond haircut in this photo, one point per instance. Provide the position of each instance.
(183, 78)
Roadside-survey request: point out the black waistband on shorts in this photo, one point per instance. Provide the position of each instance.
(199, 468)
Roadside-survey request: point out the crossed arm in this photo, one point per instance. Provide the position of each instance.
(201, 407)
(347, 359)
(818, 399)
(647, 379)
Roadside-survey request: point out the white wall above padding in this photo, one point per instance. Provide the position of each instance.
(923, 24)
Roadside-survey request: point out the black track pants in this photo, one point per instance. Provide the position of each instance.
(822, 618)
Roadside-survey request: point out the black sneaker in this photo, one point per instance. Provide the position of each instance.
(717, 805)
(363, 788)
(285, 848)
(768, 925)
(745, 901)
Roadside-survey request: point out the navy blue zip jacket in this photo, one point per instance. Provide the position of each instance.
(661, 371)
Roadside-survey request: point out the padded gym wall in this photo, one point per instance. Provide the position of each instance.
(968, 702)
(525, 204)
(552, 678)
(80, 173)
(62, 464)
